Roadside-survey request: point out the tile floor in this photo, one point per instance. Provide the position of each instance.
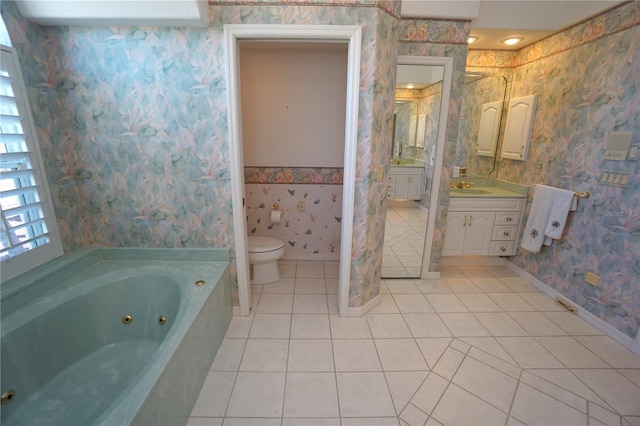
(479, 347)
(404, 235)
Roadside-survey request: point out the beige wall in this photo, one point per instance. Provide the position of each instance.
(293, 103)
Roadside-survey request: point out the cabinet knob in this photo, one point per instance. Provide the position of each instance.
(505, 233)
(509, 219)
(503, 249)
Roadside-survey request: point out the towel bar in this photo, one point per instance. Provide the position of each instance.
(581, 194)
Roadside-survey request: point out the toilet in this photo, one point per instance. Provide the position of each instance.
(264, 253)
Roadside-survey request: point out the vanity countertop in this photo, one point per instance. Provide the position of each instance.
(406, 162)
(489, 188)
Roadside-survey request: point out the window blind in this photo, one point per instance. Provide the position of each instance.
(27, 222)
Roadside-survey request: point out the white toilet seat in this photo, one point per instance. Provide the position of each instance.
(264, 244)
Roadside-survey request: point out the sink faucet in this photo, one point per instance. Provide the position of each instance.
(461, 184)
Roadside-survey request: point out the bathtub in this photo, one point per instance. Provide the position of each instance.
(112, 336)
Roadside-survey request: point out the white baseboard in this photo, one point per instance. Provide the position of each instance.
(632, 344)
(303, 256)
(431, 276)
(472, 261)
(362, 310)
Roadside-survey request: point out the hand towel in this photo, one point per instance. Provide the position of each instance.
(533, 236)
(562, 204)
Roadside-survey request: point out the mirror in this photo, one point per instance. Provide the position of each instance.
(414, 136)
(482, 92)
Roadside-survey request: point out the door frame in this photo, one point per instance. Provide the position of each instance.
(447, 63)
(351, 34)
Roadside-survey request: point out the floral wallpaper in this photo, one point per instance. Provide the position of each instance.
(132, 123)
(308, 235)
(445, 39)
(588, 84)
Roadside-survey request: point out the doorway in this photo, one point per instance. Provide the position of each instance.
(323, 33)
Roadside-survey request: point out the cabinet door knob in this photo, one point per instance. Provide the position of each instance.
(503, 249)
(465, 221)
(470, 220)
(505, 233)
(509, 219)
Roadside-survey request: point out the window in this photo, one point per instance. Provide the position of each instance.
(28, 233)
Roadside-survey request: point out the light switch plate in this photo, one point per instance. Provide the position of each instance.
(618, 146)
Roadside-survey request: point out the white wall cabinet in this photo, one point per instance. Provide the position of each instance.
(405, 183)
(489, 129)
(482, 226)
(517, 131)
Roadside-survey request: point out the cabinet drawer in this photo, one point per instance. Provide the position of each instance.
(504, 233)
(507, 218)
(502, 248)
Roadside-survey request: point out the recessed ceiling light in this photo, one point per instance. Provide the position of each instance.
(471, 39)
(512, 40)
(410, 86)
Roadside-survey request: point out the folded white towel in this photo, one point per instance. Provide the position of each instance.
(533, 236)
(563, 202)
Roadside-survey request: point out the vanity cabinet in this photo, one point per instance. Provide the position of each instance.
(482, 226)
(405, 183)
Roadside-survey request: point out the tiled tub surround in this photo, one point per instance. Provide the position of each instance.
(70, 357)
(481, 346)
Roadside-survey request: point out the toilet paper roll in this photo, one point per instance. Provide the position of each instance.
(275, 216)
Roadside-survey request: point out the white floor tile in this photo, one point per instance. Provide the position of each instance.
(265, 355)
(229, 355)
(463, 325)
(534, 407)
(349, 328)
(400, 355)
(511, 302)
(310, 286)
(310, 304)
(403, 386)
(270, 326)
(284, 286)
(571, 353)
(356, 355)
(486, 383)
(402, 286)
(500, 324)
(387, 305)
(433, 286)
(412, 303)
(618, 391)
(572, 324)
(537, 324)
(528, 353)
(476, 412)
(433, 348)
(446, 303)
(430, 392)
(257, 395)
(388, 326)
(275, 304)
(426, 325)
(351, 387)
(311, 395)
(478, 302)
(310, 326)
(610, 351)
(310, 355)
(214, 396)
